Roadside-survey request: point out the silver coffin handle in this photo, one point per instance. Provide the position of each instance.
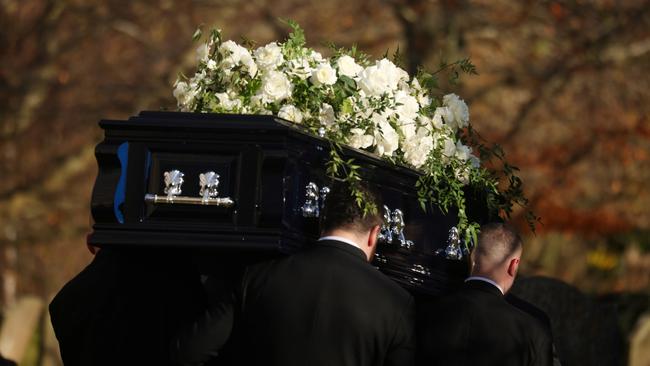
(208, 181)
(185, 200)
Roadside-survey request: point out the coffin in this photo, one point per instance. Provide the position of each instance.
(253, 185)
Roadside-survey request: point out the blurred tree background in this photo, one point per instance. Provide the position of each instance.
(563, 86)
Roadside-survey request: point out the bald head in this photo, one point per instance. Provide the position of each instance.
(497, 254)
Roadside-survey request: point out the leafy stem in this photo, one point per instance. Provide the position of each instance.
(348, 172)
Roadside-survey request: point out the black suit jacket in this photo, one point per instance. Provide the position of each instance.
(324, 306)
(124, 308)
(538, 314)
(477, 326)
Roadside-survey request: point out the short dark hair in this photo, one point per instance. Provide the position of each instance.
(498, 241)
(342, 211)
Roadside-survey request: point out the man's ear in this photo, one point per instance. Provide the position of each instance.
(513, 266)
(372, 236)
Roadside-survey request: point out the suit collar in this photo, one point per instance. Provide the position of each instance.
(483, 286)
(339, 238)
(345, 247)
(485, 279)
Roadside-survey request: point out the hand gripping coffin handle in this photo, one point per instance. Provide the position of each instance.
(209, 192)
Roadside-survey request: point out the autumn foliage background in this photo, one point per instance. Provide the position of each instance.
(563, 86)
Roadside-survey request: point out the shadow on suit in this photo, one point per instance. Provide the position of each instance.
(323, 306)
(124, 307)
(477, 326)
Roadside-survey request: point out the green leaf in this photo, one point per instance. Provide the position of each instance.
(296, 38)
(437, 188)
(398, 57)
(197, 33)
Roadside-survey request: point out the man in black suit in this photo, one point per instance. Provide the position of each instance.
(125, 306)
(538, 314)
(323, 306)
(476, 325)
(6, 362)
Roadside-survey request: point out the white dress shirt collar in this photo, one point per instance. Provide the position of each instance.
(485, 279)
(340, 238)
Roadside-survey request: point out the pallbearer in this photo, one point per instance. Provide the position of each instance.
(325, 305)
(476, 325)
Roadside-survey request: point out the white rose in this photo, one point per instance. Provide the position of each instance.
(249, 64)
(407, 106)
(180, 89)
(408, 129)
(256, 102)
(326, 115)
(348, 67)
(423, 132)
(323, 75)
(462, 174)
(425, 122)
(235, 55)
(380, 78)
(225, 100)
(415, 84)
(269, 57)
(377, 119)
(184, 94)
(231, 53)
(387, 139)
(393, 73)
(424, 100)
(448, 148)
(359, 139)
(257, 106)
(316, 57)
(290, 113)
(300, 68)
(276, 86)
(230, 100)
(198, 77)
(417, 150)
(458, 109)
(202, 52)
(463, 152)
(442, 116)
(402, 75)
(372, 82)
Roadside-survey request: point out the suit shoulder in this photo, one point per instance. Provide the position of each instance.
(387, 285)
(531, 321)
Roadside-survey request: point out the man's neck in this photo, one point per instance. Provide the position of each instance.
(345, 237)
(339, 238)
(477, 277)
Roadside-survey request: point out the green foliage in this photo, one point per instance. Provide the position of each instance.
(197, 34)
(354, 52)
(347, 171)
(456, 68)
(226, 83)
(398, 57)
(295, 43)
(505, 188)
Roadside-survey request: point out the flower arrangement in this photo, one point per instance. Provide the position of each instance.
(374, 106)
